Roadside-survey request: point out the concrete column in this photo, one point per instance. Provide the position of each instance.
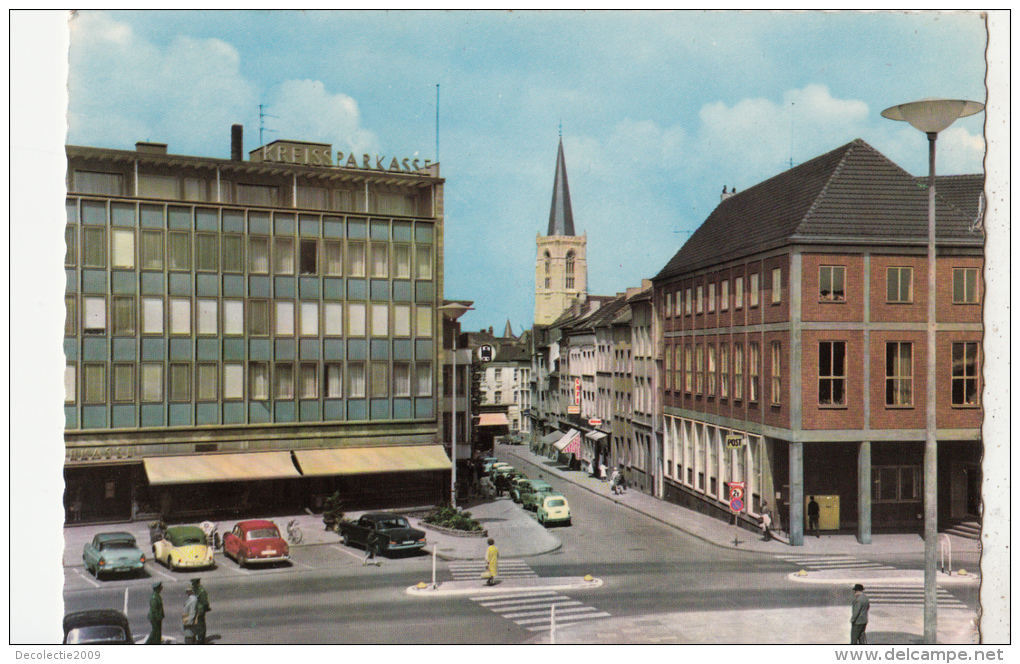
(864, 493)
(796, 494)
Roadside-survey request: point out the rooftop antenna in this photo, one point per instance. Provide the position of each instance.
(791, 134)
(437, 123)
(262, 122)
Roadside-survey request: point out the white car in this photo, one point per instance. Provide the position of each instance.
(553, 508)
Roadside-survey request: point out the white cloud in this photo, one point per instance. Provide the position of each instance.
(306, 111)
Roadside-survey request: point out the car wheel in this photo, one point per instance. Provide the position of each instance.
(241, 559)
(345, 539)
(170, 564)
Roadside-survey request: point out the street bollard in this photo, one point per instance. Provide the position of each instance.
(552, 624)
(435, 547)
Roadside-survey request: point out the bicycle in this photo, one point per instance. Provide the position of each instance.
(294, 534)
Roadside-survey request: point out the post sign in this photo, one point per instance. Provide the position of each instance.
(485, 353)
(734, 442)
(736, 496)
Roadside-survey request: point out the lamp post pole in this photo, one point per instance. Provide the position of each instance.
(931, 116)
(453, 311)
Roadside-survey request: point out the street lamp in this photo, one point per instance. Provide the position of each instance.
(931, 116)
(452, 311)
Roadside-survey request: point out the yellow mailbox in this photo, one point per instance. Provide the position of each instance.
(828, 512)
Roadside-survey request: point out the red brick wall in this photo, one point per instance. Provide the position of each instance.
(944, 307)
(883, 311)
(850, 416)
(948, 415)
(780, 312)
(813, 308)
(886, 417)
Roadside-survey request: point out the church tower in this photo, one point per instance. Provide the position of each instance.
(561, 269)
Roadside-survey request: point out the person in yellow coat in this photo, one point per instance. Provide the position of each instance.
(491, 562)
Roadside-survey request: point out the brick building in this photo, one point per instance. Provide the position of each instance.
(794, 320)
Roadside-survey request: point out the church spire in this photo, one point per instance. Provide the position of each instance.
(561, 217)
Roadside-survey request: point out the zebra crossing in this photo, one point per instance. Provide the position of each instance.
(819, 563)
(910, 596)
(531, 609)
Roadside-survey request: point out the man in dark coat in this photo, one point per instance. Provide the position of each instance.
(203, 608)
(859, 617)
(156, 614)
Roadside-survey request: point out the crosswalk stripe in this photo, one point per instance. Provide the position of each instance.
(545, 618)
(538, 601)
(544, 626)
(523, 593)
(545, 610)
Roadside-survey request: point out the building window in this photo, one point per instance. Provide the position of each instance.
(255, 194)
(309, 319)
(724, 370)
(548, 268)
(356, 319)
(208, 314)
(99, 184)
(424, 321)
(195, 189)
(738, 372)
(180, 381)
(152, 250)
(899, 284)
(233, 381)
(497, 397)
(832, 283)
(206, 252)
(334, 380)
(312, 197)
(70, 315)
(724, 295)
(332, 258)
(283, 255)
(380, 320)
(668, 372)
(401, 379)
(93, 247)
(333, 319)
(380, 260)
(965, 285)
(124, 315)
(70, 245)
(178, 246)
(94, 383)
(688, 371)
(752, 288)
(423, 384)
(308, 386)
(284, 375)
(356, 380)
(699, 368)
(568, 276)
(832, 373)
(123, 383)
(152, 315)
(233, 317)
(284, 319)
(423, 261)
(777, 285)
(738, 293)
(895, 483)
(401, 320)
(157, 186)
(699, 300)
(899, 373)
(258, 318)
(233, 253)
(207, 382)
(309, 251)
(152, 382)
(965, 373)
(180, 316)
(356, 259)
(711, 298)
(754, 366)
(711, 370)
(777, 374)
(95, 315)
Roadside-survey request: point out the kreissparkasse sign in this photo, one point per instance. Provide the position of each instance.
(303, 153)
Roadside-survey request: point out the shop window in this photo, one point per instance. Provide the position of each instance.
(896, 483)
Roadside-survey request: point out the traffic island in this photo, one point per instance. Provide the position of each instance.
(503, 586)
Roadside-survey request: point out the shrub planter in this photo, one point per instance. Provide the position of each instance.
(453, 531)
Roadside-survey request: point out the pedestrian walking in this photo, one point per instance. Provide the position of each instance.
(812, 516)
(859, 617)
(602, 470)
(156, 614)
(766, 520)
(371, 549)
(615, 480)
(204, 607)
(190, 618)
(491, 562)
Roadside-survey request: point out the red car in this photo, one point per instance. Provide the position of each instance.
(255, 541)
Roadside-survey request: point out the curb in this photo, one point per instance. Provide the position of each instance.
(557, 583)
(968, 579)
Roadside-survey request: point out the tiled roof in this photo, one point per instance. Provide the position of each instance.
(852, 194)
(963, 191)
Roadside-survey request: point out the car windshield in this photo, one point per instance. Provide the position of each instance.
(108, 546)
(555, 502)
(263, 533)
(96, 634)
(393, 523)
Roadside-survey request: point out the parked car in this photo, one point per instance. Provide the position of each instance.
(255, 541)
(532, 495)
(392, 531)
(113, 552)
(487, 463)
(106, 626)
(524, 487)
(500, 467)
(183, 547)
(553, 508)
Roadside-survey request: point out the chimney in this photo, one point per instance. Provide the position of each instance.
(725, 195)
(237, 142)
(150, 148)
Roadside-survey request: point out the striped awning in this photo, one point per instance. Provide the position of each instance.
(570, 443)
(493, 420)
(361, 460)
(200, 468)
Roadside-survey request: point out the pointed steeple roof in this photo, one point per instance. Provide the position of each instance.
(561, 217)
(508, 331)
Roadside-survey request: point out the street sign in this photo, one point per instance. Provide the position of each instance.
(485, 353)
(734, 442)
(736, 496)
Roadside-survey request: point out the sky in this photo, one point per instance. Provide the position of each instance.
(659, 110)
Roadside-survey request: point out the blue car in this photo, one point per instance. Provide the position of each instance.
(109, 553)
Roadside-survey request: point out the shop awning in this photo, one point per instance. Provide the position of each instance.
(551, 437)
(570, 443)
(219, 468)
(493, 420)
(595, 435)
(360, 460)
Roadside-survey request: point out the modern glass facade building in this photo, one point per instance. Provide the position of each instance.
(250, 333)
